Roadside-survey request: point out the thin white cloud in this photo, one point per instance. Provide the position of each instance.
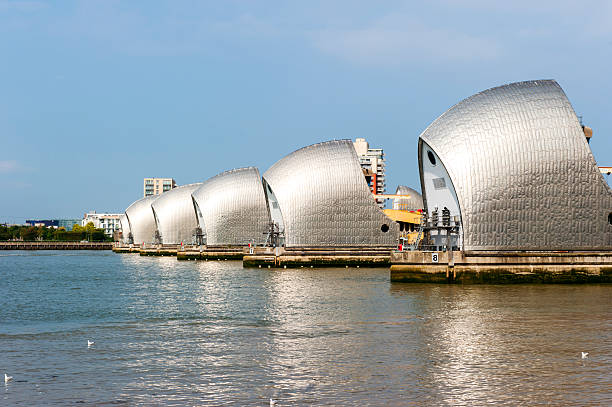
(127, 29)
(389, 43)
(8, 166)
(21, 6)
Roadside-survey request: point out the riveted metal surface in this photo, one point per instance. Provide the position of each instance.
(523, 171)
(325, 200)
(414, 202)
(125, 228)
(233, 208)
(175, 215)
(142, 222)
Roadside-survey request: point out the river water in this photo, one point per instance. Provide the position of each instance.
(213, 333)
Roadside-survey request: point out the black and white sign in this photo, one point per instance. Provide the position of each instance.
(434, 257)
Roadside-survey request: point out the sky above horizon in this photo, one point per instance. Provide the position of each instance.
(97, 95)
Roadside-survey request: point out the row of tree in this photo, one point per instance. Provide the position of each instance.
(33, 233)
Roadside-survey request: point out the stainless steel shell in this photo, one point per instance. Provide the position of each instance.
(325, 200)
(414, 202)
(175, 215)
(125, 228)
(233, 208)
(523, 171)
(142, 222)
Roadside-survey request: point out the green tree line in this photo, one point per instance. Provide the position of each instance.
(33, 233)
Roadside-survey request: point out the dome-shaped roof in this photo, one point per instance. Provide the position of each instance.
(232, 208)
(412, 203)
(175, 215)
(325, 200)
(524, 176)
(141, 219)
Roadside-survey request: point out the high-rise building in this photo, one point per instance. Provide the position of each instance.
(372, 161)
(156, 186)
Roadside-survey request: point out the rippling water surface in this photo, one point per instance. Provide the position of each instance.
(213, 333)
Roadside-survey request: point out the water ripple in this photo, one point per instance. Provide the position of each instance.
(212, 333)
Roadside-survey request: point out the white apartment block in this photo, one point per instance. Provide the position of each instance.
(156, 186)
(107, 221)
(372, 161)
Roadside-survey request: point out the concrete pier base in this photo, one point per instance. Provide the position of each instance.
(210, 253)
(501, 267)
(161, 251)
(317, 257)
(126, 249)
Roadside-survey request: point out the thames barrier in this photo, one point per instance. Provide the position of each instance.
(511, 192)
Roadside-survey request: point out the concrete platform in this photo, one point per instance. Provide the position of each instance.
(211, 253)
(121, 249)
(158, 252)
(501, 267)
(317, 257)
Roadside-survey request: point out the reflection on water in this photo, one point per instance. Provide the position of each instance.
(202, 333)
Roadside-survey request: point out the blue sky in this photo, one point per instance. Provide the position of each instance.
(97, 95)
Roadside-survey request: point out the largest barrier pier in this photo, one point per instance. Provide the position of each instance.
(497, 267)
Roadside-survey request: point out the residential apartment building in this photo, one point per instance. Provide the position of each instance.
(156, 186)
(107, 221)
(372, 161)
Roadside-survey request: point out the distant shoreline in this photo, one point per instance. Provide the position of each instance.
(47, 245)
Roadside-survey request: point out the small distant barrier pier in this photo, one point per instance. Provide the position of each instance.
(501, 267)
(270, 257)
(185, 252)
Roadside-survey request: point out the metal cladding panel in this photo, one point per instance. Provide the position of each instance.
(175, 214)
(523, 171)
(410, 204)
(234, 209)
(325, 200)
(125, 227)
(142, 221)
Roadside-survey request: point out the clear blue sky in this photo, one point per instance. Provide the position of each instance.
(97, 95)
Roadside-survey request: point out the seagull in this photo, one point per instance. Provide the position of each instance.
(585, 355)
(7, 378)
(272, 403)
(90, 343)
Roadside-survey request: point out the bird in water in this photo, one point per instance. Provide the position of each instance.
(585, 355)
(272, 403)
(7, 378)
(90, 343)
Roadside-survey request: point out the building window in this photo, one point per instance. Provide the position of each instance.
(610, 218)
(384, 228)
